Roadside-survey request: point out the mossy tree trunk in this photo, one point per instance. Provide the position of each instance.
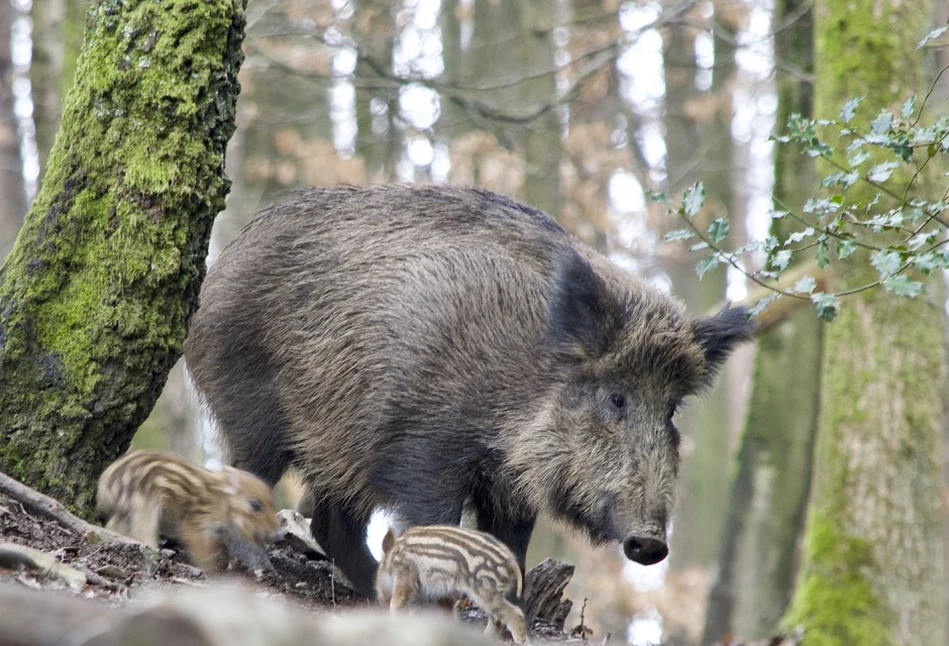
(770, 484)
(97, 293)
(873, 570)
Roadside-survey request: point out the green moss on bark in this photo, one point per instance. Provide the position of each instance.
(838, 584)
(96, 295)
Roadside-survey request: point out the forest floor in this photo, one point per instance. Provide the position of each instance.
(59, 575)
(118, 573)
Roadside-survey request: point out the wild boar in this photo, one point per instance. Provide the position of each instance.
(445, 563)
(215, 514)
(424, 348)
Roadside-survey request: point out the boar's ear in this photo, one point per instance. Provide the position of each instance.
(388, 541)
(718, 335)
(584, 315)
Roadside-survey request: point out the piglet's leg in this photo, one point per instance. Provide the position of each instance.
(403, 593)
(204, 547)
(144, 520)
(507, 614)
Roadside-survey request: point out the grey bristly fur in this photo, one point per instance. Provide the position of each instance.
(419, 348)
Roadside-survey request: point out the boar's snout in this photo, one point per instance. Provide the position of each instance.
(646, 551)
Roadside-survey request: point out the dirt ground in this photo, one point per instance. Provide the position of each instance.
(117, 573)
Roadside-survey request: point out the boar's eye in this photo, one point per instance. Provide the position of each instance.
(618, 400)
(256, 505)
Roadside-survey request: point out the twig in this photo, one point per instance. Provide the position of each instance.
(101, 581)
(193, 584)
(583, 631)
(43, 505)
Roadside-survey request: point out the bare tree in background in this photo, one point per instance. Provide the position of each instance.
(13, 200)
(758, 556)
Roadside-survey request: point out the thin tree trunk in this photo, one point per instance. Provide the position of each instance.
(373, 32)
(700, 148)
(873, 570)
(57, 40)
(541, 137)
(97, 293)
(453, 120)
(12, 192)
(46, 65)
(769, 491)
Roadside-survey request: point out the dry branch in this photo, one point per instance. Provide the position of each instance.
(779, 311)
(45, 506)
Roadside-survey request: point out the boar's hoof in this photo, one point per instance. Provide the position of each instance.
(646, 551)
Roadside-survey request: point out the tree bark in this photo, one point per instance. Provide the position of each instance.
(543, 592)
(97, 293)
(873, 570)
(757, 559)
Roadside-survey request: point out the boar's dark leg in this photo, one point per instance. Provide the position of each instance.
(342, 535)
(431, 510)
(513, 532)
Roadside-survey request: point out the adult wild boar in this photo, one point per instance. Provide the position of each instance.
(422, 348)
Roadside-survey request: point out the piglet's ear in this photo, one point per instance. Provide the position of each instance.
(718, 335)
(232, 482)
(583, 314)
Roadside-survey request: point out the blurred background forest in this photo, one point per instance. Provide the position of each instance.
(580, 108)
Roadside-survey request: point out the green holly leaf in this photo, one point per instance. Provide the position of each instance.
(845, 248)
(718, 230)
(826, 306)
(850, 109)
(887, 263)
(909, 106)
(805, 286)
(693, 199)
(858, 158)
(679, 234)
(882, 172)
(781, 259)
(763, 303)
(707, 263)
(902, 286)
